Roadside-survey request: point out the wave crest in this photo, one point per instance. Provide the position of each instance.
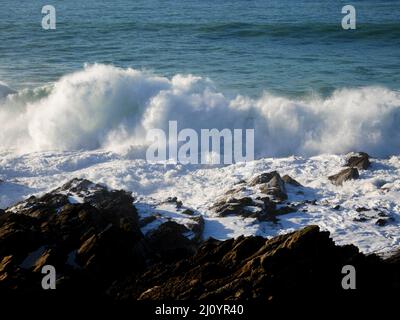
(107, 107)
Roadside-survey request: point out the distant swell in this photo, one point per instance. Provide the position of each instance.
(310, 30)
(107, 107)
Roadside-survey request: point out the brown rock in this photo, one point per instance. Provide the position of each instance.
(344, 175)
(300, 265)
(289, 180)
(170, 242)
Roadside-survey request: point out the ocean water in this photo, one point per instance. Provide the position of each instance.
(113, 69)
(284, 46)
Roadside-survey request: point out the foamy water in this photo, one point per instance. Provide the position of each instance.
(112, 108)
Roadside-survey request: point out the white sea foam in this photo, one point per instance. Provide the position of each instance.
(200, 187)
(111, 108)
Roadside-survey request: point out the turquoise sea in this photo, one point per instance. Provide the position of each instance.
(286, 47)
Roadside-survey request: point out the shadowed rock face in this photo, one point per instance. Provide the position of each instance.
(97, 241)
(300, 265)
(93, 239)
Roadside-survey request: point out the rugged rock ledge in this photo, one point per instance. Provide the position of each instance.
(301, 265)
(93, 237)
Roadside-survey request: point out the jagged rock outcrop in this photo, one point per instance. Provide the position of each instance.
(97, 237)
(300, 265)
(263, 197)
(86, 231)
(94, 238)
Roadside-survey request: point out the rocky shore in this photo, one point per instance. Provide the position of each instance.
(103, 248)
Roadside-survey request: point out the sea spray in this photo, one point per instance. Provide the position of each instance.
(105, 107)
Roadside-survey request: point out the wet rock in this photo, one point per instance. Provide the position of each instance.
(358, 160)
(381, 222)
(103, 232)
(264, 178)
(312, 202)
(272, 184)
(289, 180)
(188, 212)
(163, 219)
(174, 200)
(264, 192)
(261, 208)
(345, 175)
(361, 219)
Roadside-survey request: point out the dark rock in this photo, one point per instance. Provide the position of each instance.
(382, 214)
(285, 210)
(197, 227)
(189, 212)
(359, 161)
(272, 184)
(289, 180)
(264, 178)
(170, 242)
(304, 264)
(361, 219)
(174, 200)
(345, 175)
(102, 234)
(384, 221)
(312, 202)
(262, 208)
(99, 252)
(147, 220)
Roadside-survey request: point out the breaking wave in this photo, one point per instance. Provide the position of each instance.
(106, 107)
